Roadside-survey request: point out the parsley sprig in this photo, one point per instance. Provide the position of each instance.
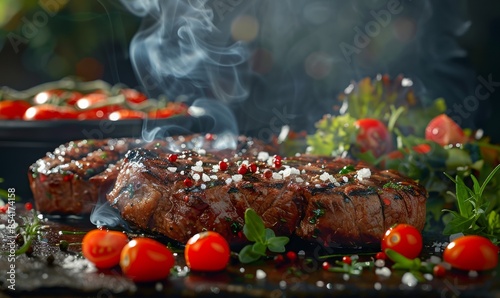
(476, 214)
(263, 238)
(355, 268)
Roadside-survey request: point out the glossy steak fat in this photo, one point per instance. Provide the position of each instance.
(312, 197)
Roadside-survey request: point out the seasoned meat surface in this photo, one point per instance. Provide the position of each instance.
(180, 186)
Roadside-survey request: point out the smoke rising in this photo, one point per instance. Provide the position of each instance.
(296, 55)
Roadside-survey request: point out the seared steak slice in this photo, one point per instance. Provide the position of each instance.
(319, 199)
(70, 179)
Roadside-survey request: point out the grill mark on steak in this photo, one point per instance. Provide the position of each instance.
(316, 202)
(336, 209)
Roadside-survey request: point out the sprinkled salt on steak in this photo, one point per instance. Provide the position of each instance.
(70, 179)
(333, 201)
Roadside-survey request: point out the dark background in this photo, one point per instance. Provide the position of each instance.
(90, 40)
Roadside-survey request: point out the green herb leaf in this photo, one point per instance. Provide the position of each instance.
(277, 244)
(269, 234)
(254, 228)
(263, 238)
(259, 248)
(247, 255)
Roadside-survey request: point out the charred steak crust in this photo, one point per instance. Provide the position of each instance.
(70, 179)
(308, 196)
(331, 201)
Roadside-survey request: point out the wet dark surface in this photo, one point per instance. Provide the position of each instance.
(70, 275)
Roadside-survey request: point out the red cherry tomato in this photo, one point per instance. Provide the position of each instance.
(88, 100)
(144, 259)
(404, 239)
(347, 260)
(443, 130)
(126, 114)
(172, 108)
(133, 96)
(13, 109)
(471, 252)
(49, 112)
(57, 96)
(373, 136)
(207, 251)
(103, 247)
(98, 113)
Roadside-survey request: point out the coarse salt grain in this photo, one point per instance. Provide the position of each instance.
(345, 179)
(199, 163)
(203, 186)
(384, 271)
(205, 177)
(286, 172)
(299, 180)
(277, 176)
(294, 171)
(196, 177)
(213, 177)
(263, 156)
(229, 180)
(172, 169)
(215, 168)
(237, 177)
(364, 173)
(197, 168)
(260, 274)
(324, 176)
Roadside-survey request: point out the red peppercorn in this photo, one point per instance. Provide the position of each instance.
(380, 256)
(209, 137)
(4, 208)
(68, 177)
(325, 265)
(28, 206)
(188, 182)
(439, 270)
(292, 256)
(222, 165)
(172, 157)
(252, 167)
(242, 169)
(267, 174)
(347, 260)
(43, 177)
(279, 260)
(277, 161)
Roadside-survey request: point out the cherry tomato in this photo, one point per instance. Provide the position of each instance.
(170, 110)
(98, 113)
(471, 252)
(126, 114)
(373, 136)
(207, 251)
(144, 259)
(49, 112)
(13, 109)
(88, 100)
(133, 96)
(443, 130)
(57, 96)
(404, 239)
(103, 247)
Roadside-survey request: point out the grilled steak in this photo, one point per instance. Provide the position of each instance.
(70, 179)
(336, 202)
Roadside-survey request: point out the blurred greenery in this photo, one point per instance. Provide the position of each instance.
(53, 39)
